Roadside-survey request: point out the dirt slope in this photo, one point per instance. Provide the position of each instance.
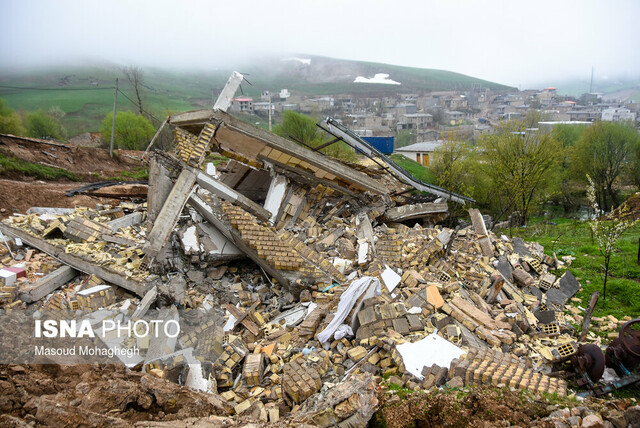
(19, 193)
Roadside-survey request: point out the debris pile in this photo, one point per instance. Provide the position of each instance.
(300, 282)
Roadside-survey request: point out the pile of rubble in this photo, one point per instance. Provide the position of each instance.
(348, 280)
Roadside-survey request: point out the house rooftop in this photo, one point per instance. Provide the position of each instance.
(425, 146)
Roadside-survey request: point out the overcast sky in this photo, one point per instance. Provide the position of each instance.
(514, 42)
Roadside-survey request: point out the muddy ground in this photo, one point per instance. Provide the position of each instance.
(19, 193)
(91, 395)
(111, 395)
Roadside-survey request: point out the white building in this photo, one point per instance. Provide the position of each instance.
(617, 114)
(420, 152)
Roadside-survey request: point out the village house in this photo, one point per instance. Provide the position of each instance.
(454, 102)
(418, 122)
(454, 117)
(420, 152)
(242, 105)
(404, 108)
(617, 114)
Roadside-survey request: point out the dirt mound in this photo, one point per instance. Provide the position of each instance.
(20, 193)
(19, 196)
(629, 208)
(90, 395)
(479, 407)
(82, 161)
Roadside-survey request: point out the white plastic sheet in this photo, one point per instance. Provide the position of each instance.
(347, 300)
(431, 350)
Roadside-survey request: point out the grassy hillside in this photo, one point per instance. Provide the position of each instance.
(85, 93)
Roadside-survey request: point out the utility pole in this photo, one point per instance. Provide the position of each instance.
(113, 120)
(269, 111)
(591, 84)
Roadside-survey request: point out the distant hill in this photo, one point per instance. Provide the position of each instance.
(626, 89)
(85, 92)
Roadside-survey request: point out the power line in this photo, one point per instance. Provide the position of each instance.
(136, 104)
(56, 89)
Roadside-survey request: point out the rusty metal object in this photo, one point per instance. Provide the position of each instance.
(623, 354)
(590, 360)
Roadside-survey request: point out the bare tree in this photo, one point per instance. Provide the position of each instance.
(135, 75)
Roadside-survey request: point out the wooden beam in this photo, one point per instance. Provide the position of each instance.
(237, 313)
(247, 313)
(327, 144)
(168, 216)
(153, 140)
(228, 194)
(587, 316)
(47, 284)
(78, 263)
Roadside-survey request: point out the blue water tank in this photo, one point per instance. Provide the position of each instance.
(382, 144)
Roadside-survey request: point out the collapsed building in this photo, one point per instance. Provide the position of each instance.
(355, 281)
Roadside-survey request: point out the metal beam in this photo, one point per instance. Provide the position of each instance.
(339, 131)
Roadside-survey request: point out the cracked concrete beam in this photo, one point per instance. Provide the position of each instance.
(170, 212)
(228, 194)
(410, 212)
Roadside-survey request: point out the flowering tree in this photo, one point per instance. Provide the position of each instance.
(607, 229)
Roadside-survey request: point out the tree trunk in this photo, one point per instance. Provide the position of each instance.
(613, 195)
(606, 275)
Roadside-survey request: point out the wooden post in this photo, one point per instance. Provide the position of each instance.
(113, 120)
(153, 140)
(269, 111)
(587, 316)
(639, 251)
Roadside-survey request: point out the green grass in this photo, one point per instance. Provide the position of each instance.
(140, 174)
(12, 166)
(414, 168)
(567, 237)
(170, 91)
(400, 391)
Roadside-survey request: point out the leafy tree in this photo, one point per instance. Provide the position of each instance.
(404, 138)
(634, 165)
(608, 229)
(303, 130)
(451, 167)
(10, 121)
(42, 125)
(520, 163)
(132, 132)
(299, 128)
(603, 153)
(449, 163)
(533, 117)
(438, 116)
(56, 112)
(568, 134)
(571, 190)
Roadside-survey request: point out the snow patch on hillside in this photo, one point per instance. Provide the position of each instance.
(303, 61)
(378, 78)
